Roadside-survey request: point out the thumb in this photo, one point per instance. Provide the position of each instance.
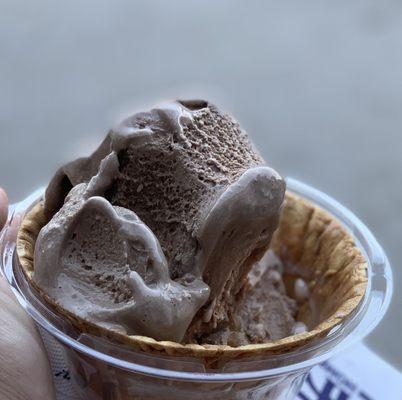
(3, 207)
(25, 372)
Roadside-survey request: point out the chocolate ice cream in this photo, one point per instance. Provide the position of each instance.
(154, 233)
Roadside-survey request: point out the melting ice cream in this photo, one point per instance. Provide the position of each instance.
(154, 233)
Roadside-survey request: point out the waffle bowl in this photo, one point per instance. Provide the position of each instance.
(350, 284)
(309, 238)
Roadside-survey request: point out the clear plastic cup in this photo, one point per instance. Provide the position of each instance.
(103, 370)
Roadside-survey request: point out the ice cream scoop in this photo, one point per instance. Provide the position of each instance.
(158, 228)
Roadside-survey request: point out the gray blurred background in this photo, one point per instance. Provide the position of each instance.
(317, 84)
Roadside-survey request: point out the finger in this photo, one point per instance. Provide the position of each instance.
(3, 207)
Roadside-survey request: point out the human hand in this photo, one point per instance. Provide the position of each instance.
(3, 207)
(24, 368)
